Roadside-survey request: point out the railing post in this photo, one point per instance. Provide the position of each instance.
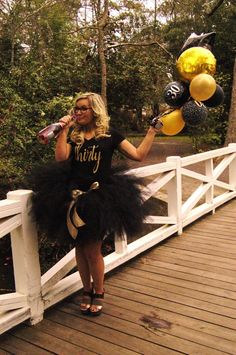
(209, 168)
(26, 265)
(174, 191)
(232, 168)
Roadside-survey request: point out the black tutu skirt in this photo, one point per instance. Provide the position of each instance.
(114, 206)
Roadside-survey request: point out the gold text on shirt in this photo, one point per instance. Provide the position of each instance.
(89, 154)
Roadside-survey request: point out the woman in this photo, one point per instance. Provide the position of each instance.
(103, 201)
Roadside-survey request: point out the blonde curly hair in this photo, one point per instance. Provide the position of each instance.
(100, 115)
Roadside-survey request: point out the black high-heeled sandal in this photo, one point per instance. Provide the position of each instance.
(86, 302)
(97, 301)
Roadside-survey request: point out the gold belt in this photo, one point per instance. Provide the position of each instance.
(75, 218)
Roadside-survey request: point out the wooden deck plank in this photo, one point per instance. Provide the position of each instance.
(176, 298)
(190, 259)
(212, 227)
(179, 300)
(113, 297)
(211, 239)
(47, 342)
(130, 325)
(218, 259)
(191, 340)
(225, 294)
(227, 213)
(179, 290)
(204, 238)
(198, 276)
(178, 308)
(204, 250)
(201, 280)
(194, 264)
(210, 232)
(78, 335)
(108, 330)
(16, 345)
(229, 251)
(223, 221)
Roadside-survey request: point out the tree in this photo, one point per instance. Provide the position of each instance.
(113, 32)
(231, 131)
(102, 20)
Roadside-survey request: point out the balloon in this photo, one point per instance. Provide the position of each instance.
(217, 98)
(202, 87)
(205, 40)
(176, 93)
(194, 112)
(196, 60)
(172, 121)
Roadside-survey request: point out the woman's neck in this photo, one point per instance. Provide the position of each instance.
(89, 131)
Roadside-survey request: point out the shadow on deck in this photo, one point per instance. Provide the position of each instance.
(177, 298)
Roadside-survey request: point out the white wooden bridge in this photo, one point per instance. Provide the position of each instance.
(178, 297)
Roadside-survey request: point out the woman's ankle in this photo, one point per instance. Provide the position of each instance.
(88, 288)
(99, 291)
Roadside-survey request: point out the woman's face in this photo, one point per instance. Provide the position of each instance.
(83, 112)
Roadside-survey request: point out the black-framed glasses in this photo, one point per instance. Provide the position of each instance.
(81, 109)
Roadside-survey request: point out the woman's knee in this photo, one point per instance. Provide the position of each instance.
(93, 251)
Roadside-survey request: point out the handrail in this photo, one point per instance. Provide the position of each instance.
(34, 293)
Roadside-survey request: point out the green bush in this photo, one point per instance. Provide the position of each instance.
(20, 123)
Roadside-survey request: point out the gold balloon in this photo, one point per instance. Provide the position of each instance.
(202, 87)
(194, 61)
(172, 121)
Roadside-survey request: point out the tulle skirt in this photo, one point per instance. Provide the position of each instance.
(114, 206)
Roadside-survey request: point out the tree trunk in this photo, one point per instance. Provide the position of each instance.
(231, 131)
(103, 64)
(102, 22)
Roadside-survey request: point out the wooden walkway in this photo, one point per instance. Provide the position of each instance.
(177, 298)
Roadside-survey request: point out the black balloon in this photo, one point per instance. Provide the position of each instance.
(216, 99)
(176, 93)
(194, 113)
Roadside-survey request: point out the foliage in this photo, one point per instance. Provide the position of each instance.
(49, 52)
(211, 133)
(20, 124)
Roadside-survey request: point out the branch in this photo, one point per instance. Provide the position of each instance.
(80, 29)
(5, 6)
(115, 45)
(215, 7)
(45, 5)
(3, 13)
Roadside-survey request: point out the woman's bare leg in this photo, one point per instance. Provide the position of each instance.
(83, 268)
(96, 264)
(90, 263)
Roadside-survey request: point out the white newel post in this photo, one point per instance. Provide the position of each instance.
(232, 168)
(174, 191)
(26, 265)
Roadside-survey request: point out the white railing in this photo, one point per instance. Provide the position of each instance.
(35, 293)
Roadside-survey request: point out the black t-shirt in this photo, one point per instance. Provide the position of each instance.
(92, 161)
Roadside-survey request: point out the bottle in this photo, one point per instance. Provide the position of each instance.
(46, 134)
